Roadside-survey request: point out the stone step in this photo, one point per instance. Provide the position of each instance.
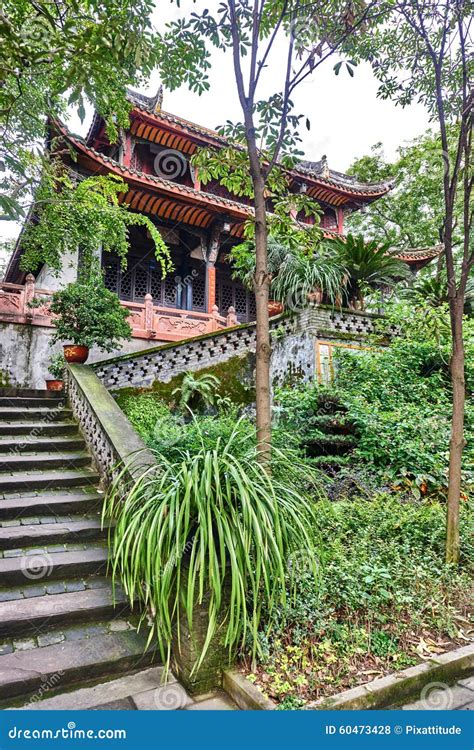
(30, 402)
(20, 444)
(49, 504)
(329, 461)
(36, 480)
(334, 445)
(43, 670)
(40, 567)
(117, 689)
(37, 429)
(44, 534)
(40, 614)
(43, 461)
(54, 414)
(31, 393)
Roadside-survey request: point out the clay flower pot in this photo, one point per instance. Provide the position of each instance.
(274, 308)
(75, 353)
(54, 385)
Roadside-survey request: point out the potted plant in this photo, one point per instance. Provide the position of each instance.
(88, 314)
(56, 367)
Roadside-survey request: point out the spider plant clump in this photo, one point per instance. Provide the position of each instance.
(212, 527)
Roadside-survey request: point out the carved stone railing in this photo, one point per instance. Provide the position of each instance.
(24, 304)
(108, 434)
(143, 368)
(167, 324)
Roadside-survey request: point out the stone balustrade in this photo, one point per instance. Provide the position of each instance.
(29, 304)
(161, 363)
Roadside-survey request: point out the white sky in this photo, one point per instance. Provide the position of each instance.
(346, 116)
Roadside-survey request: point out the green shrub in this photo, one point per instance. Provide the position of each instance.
(88, 314)
(197, 389)
(56, 366)
(205, 519)
(144, 412)
(382, 586)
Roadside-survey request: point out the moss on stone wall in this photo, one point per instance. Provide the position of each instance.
(5, 381)
(236, 376)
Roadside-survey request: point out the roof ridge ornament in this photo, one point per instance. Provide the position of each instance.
(325, 167)
(158, 100)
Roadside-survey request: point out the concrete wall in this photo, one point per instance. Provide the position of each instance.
(293, 358)
(47, 279)
(25, 351)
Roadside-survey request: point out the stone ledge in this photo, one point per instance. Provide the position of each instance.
(125, 444)
(403, 686)
(246, 695)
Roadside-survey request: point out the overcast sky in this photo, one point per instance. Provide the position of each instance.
(346, 116)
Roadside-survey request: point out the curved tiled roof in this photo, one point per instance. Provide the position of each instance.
(201, 205)
(321, 171)
(420, 253)
(316, 171)
(154, 180)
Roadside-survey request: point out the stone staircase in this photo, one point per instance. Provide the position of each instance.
(60, 626)
(330, 437)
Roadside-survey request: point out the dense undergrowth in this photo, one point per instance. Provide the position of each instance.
(383, 597)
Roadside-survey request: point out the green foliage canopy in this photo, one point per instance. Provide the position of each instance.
(412, 214)
(83, 213)
(61, 54)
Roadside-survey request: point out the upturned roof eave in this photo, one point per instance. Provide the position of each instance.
(144, 107)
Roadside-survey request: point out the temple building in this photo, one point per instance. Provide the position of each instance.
(199, 224)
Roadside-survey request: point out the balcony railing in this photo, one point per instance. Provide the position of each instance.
(30, 304)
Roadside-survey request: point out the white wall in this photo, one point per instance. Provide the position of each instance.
(26, 349)
(46, 279)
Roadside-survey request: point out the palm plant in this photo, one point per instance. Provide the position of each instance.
(295, 274)
(301, 275)
(206, 524)
(197, 388)
(433, 291)
(369, 266)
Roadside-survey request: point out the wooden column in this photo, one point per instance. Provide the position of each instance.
(212, 254)
(210, 286)
(340, 220)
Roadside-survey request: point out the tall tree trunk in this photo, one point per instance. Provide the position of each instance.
(457, 431)
(263, 349)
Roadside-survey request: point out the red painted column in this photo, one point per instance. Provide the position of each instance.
(127, 151)
(340, 220)
(211, 287)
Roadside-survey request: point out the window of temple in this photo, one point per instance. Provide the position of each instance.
(141, 277)
(184, 289)
(232, 293)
